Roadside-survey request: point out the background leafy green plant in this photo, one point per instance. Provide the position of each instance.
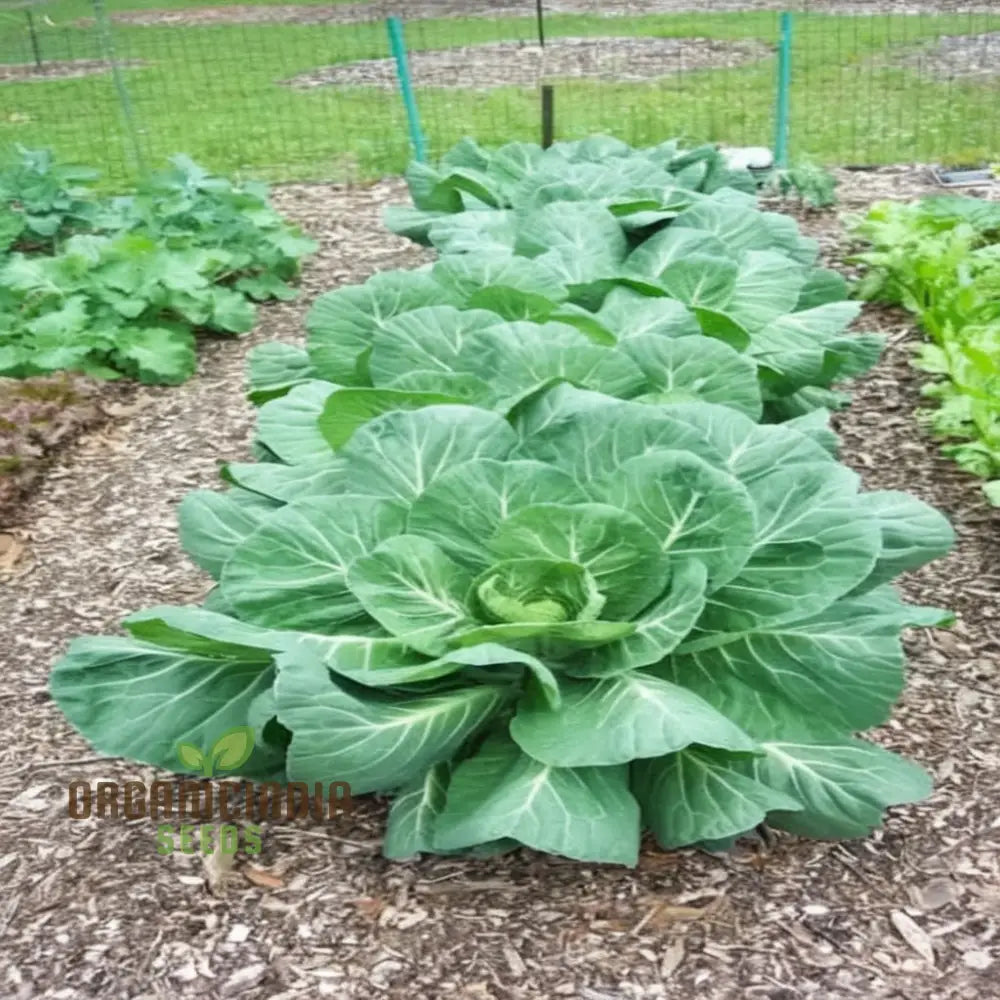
(940, 258)
(812, 184)
(129, 279)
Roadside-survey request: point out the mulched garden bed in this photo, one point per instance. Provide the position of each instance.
(64, 69)
(958, 56)
(90, 910)
(478, 67)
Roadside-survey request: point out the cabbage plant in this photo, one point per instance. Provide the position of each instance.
(555, 628)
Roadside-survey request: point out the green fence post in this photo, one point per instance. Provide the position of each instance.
(398, 46)
(782, 108)
(124, 98)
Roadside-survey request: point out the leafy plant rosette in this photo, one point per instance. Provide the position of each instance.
(555, 629)
(726, 304)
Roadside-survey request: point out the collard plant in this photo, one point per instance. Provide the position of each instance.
(555, 628)
(644, 188)
(724, 297)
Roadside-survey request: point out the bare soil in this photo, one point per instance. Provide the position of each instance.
(60, 69)
(482, 67)
(89, 910)
(412, 10)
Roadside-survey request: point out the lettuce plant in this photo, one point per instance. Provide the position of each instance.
(940, 258)
(556, 629)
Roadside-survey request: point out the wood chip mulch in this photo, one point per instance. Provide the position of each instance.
(505, 64)
(89, 909)
(61, 69)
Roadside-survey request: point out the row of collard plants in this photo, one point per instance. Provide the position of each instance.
(110, 286)
(940, 258)
(547, 540)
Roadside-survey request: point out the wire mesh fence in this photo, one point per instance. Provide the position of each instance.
(310, 90)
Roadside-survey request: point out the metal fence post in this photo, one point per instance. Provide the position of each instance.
(124, 99)
(782, 105)
(398, 46)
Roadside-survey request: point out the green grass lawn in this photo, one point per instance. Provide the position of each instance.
(212, 92)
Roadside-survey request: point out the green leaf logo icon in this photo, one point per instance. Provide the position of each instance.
(229, 751)
(190, 756)
(233, 748)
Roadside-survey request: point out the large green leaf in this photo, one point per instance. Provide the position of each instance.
(152, 698)
(737, 227)
(700, 794)
(213, 524)
(374, 660)
(585, 813)
(913, 533)
(289, 426)
(206, 633)
(516, 357)
(844, 786)
(427, 339)
(842, 667)
(348, 409)
(410, 827)
(624, 557)
(401, 454)
(627, 314)
(291, 572)
(626, 717)
(589, 435)
(694, 509)
(812, 546)
(767, 286)
(581, 242)
(464, 506)
(373, 742)
(342, 324)
(654, 256)
(749, 450)
(694, 368)
(413, 590)
(285, 483)
(701, 281)
(274, 368)
(513, 287)
(469, 232)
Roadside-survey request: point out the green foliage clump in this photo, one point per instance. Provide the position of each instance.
(940, 258)
(814, 185)
(519, 552)
(123, 283)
